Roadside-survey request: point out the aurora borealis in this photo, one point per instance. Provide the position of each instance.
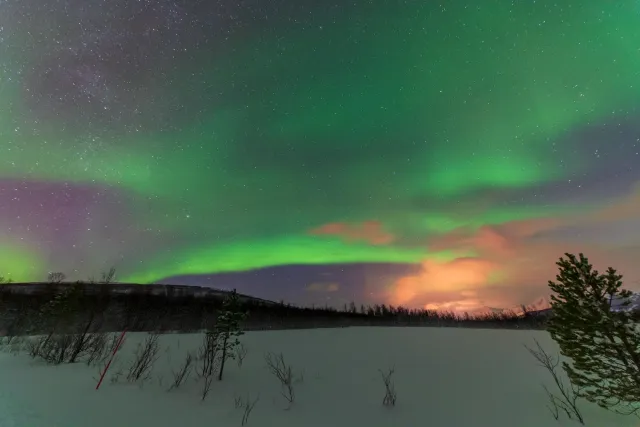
(423, 153)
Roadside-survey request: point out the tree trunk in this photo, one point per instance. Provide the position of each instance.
(224, 355)
(81, 340)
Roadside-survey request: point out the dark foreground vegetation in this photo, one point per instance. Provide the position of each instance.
(70, 322)
(78, 323)
(105, 306)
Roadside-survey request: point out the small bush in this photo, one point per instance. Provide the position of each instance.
(390, 396)
(116, 374)
(209, 360)
(183, 373)
(97, 348)
(144, 358)
(246, 405)
(14, 345)
(52, 349)
(241, 353)
(284, 373)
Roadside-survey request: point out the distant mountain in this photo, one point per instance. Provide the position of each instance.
(616, 305)
(543, 304)
(540, 305)
(132, 288)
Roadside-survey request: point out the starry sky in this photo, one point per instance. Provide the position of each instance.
(438, 154)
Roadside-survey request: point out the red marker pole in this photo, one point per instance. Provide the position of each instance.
(115, 350)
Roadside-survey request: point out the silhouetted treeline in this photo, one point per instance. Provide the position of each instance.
(114, 307)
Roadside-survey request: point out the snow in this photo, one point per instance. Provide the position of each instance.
(443, 376)
(634, 306)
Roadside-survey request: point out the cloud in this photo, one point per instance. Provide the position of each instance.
(323, 287)
(449, 285)
(369, 231)
(622, 208)
(448, 277)
(513, 261)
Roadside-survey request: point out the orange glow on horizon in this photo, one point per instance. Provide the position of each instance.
(460, 277)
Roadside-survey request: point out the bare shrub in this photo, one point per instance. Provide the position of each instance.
(58, 317)
(52, 348)
(241, 353)
(83, 343)
(117, 374)
(68, 348)
(567, 402)
(87, 336)
(115, 343)
(553, 405)
(144, 357)
(97, 348)
(183, 373)
(111, 344)
(109, 276)
(6, 339)
(32, 346)
(16, 325)
(284, 373)
(246, 404)
(237, 402)
(390, 395)
(14, 345)
(56, 277)
(60, 348)
(209, 360)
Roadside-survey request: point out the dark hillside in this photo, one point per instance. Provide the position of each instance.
(134, 307)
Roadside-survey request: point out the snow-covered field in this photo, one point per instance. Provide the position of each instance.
(444, 377)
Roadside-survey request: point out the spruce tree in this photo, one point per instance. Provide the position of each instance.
(603, 345)
(61, 309)
(229, 328)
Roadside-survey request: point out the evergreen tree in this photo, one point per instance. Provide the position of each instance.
(603, 345)
(228, 327)
(61, 309)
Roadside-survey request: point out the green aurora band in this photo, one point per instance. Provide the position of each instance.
(351, 121)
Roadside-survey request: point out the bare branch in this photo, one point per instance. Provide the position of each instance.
(284, 373)
(145, 356)
(209, 358)
(241, 353)
(569, 394)
(56, 277)
(183, 373)
(389, 386)
(247, 406)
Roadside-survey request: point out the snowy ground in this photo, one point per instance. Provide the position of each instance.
(444, 377)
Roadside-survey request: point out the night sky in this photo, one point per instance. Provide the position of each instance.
(437, 154)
